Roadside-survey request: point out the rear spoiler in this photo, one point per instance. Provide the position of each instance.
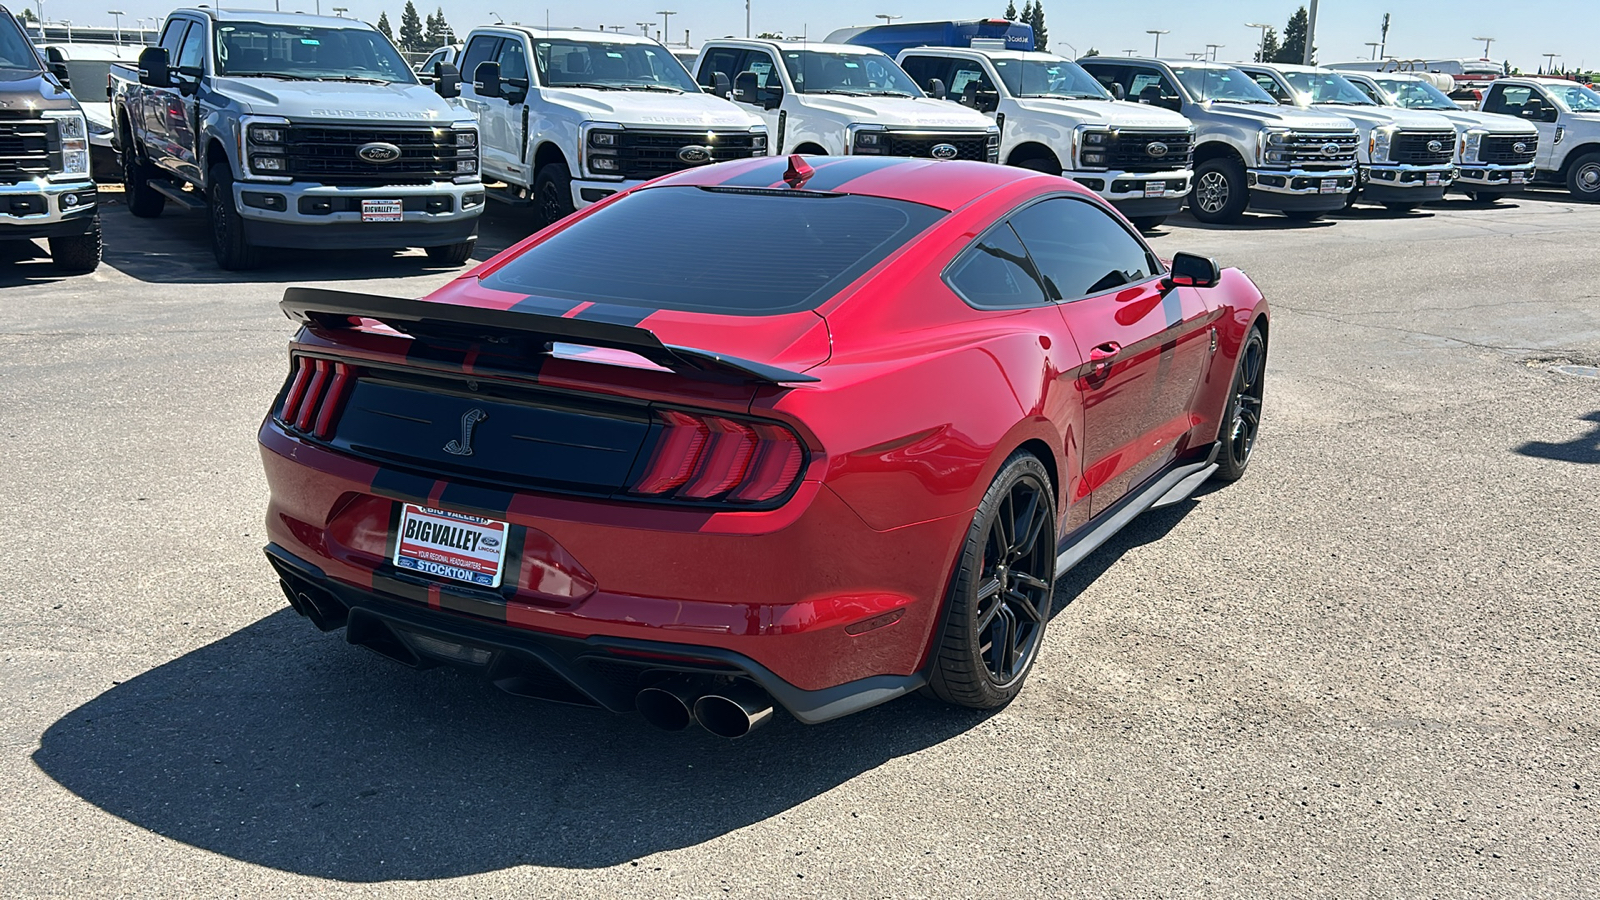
(333, 310)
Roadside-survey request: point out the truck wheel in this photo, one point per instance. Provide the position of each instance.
(1147, 223)
(453, 254)
(1219, 194)
(1583, 179)
(227, 228)
(77, 254)
(552, 193)
(143, 201)
(1040, 164)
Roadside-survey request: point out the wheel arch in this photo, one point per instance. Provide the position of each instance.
(1577, 153)
(1033, 150)
(546, 153)
(216, 152)
(1042, 451)
(810, 148)
(1216, 150)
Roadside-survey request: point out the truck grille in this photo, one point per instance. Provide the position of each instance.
(1501, 149)
(25, 149)
(651, 154)
(921, 143)
(327, 154)
(1415, 148)
(1130, 151)
(1311, 151)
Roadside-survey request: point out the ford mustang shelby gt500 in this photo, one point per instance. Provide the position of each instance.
(813, 432)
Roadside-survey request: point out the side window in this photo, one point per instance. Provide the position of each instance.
(1508, 100)
(1080, 249)
(192, 52)
(1149, 86)
(996, 273)
(1271, 86)
(758, 80)
(924, 69)
(172, 38)
(436, 57)
(722, 59)
(972, 87)
(1109, 75)
(513, 60)
(1369, 90)
(480, 50)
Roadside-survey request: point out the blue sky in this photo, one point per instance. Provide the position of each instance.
(1343, 26)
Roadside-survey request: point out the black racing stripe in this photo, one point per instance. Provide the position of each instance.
(406, 587)
(463, 602)
(616, 314)
(834, 173)
(546, 306)
(471, 499)
(765, 175)
(402, 486)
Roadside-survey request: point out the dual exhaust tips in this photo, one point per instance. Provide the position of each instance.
(730, 710)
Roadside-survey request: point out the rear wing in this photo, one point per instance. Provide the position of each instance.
(334, 310)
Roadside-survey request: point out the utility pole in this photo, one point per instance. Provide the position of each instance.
(1261, 53)
(1383, 44)
(1311, 34)
(665, 14)
(1158, 32)
(40, 5)
(1486, 42)
(1213, 48)
(117, 14)
(746, 18)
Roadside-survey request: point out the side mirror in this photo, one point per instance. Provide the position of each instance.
(936, 89)
(486, 80)
(1118, 92)
(721, 86)
(153, 69)
(447, 80)
(1189, 270)
(773, 99)
(988, 101)
(59, 70)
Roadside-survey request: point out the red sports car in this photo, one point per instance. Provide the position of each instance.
(807, 432)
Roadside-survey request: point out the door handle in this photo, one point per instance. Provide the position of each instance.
(1104, 352)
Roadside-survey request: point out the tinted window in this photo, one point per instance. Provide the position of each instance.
(1510, 100)
(513, 61)
(15, 51)
(742, 253)
(924, 69)
(309, 52)
(1150, 86)
(996, 273)
(971, 86)
(1081, 250)
(1272, 87)
(1223, 85)
(480, 51)
(860, 74)
(722, 59)
(192, 53)
(607, 65)
(1108, 75)
(172, 36)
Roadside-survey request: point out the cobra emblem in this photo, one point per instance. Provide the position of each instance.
(469, 421)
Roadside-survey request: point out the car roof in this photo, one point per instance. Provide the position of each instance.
(785, 46)
(269, 17)
(946, 185)
(573, 34)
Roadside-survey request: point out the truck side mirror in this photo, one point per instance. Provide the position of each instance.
(59, 70)
(486, 80)
(1189, 270)
(937, 90)
(447, 80)
(988, 101)
(720, 85)
(773, 98)
(153, 69)
(1118, 92)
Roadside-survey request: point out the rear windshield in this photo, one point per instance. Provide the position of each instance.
(717, 251)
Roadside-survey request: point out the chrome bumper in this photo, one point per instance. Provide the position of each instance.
(41, 202)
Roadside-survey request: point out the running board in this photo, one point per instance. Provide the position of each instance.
(187, 199)
(507, 195)
(1173, 487)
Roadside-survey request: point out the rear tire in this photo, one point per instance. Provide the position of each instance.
(143, 201)
(228, 242)
(1241, 418)
(77, 254)
(1000, 595)
(1583, 178)
(453, 254)
(1219, 195)
(1147, 223)
(552, 194)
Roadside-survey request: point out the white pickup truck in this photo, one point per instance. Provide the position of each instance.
(568, 118)
(843, 99)
(1055, 117)
(1567, 115)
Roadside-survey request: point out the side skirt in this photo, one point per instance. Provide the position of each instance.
(1172, 486)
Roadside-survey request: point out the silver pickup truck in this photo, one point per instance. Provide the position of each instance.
(297, 131)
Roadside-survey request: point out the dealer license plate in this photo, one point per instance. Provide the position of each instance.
(1330, 186)
(1155, 188)
(451, 545)
(382, 211)
(1519, 177)
(1431, 179)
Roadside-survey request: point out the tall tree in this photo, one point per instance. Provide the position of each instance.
(1011, 10)
(1268, 52)
(1092, 52)
(411, 28)
(383, 26)
(443, 33)
(1294, 39)
(27, 16)
(1041, 34)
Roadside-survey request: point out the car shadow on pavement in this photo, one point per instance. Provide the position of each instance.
(25, 262)
(1585, 448)
(1249, 222)
(286, 748)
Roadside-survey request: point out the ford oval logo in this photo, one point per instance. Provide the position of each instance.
(1520, 147)
(1156, 149)
(944, 151)
(694, 155)
(378, 152)
(1330, 149)
(1435, 146)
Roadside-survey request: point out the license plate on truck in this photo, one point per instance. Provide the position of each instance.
(1430, 179)
(382, 211)
(451, 545)
(1155, 188)
(1329, 186)
(1519, 177)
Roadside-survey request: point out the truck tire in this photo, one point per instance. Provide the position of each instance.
(143, 200)
(552, 194)
(1583, 177)
(77, 254)
(227, 228)
(1219, 195)
(453, 254)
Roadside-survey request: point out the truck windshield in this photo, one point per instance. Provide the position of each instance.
(1221, 85)
(1415, 94)
(852, 74)
(1052, 78)
(607, 66)
(308, 53)
(1577, 97)
(1326, 87)
(15, 51)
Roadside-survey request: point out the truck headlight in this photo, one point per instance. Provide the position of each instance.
(866, 141)
(1471, 142)
(272, 165)
(601, 144)
(758, 143)
(267, 134)
(466, 139)
(991, 147)
(1092, 149)
(72, 133)
(1272, 147)
(1378, 145)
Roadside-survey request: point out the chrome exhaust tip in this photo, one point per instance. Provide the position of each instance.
(734, 711)
(670, 704)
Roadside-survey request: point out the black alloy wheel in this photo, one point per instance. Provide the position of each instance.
(552, 194)
(143, 201)
(233, 251)
(1001, 594)
(1241, 421)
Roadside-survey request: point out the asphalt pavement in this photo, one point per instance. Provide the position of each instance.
(1367, 669)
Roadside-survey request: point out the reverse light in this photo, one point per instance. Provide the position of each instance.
(705, 457)
(316, 393)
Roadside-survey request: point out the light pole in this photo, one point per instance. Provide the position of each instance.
(39, 4)
(1311, 35)
(746, 18)
(1158, 32)
(1214, 48)
(497, 19)
(1486, 42)
(68, 23)
(887, 19)
(1260, 54)
(1374, 45)
(1130, 52)
(117, 14)
(339, 11)
(1550, 62)
(665, 15)
(644, 28)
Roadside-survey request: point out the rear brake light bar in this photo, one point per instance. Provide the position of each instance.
(317, 391)
(705, 457)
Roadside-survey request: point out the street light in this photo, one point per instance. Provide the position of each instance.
(1158, 32)
(1262, 53)
(339, 11)
(1550, 61)
(497, 19)
(1374, 45)
(644, 28)
(665, 14)
(1130, 52)
(39, 4)
(1486, 42)
(887, 19)
(1213, 48)
(746, 18)
(117, 14)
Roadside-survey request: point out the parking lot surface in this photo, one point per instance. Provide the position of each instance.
(1368, 668)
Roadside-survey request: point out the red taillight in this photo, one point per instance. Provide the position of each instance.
(711, 457)
(316, 392)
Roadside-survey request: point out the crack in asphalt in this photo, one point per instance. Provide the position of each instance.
(1321, 314)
